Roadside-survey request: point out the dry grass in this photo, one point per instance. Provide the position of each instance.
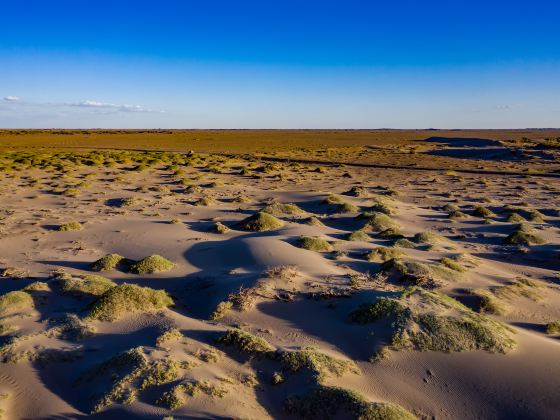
(285, 272)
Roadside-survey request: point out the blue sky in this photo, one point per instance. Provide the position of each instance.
(279, 64)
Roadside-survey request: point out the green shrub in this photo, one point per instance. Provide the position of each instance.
(483, 212)
(135, 362)
(71, 226)
(515, 218)
(109, 262)
(536, 216)
(220, 228)
(172, 399)
(469, 332)
(382, 354)
(314, 244)
(246, 342)
(152, 264)
(553, 328)
(383, 205)
(169, 335)
(128, 298)
(320, 364)
(372, 312)
(457, 215)
(347, 208)
(418, 274)
(429, 238)
(339, 205)
(88, 285)
(329, 402)
(358, 235)
(451, 207)
(313, 221)
(242, 199)
(489, 303)
(452, 264)
(277, 209)
(204, 201)
(357, 191)
(37, 286)
(160, 372)
(379, 222)
(261, 222)
(15, 301)
(404, 243)
(524, 235)
(459, 329)
(221, 310)
(383, 253)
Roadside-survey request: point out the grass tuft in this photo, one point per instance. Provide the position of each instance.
(372, 312)
(278, 209)
(70, 226)
(383, 253)
(483, 212)
(15, 301)
(338, 205)
(358, 235)
(553, 328)
(524, 235)
(261, 222)
(128, 298)
(246, 342)
(108, 262)
(319, 364)
(152, 264)
(328, 402)
(314, 244)
(87, 285)
(160, 372)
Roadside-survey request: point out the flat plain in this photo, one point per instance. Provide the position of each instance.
(368, 274)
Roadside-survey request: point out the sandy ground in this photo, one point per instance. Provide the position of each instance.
(45, 375)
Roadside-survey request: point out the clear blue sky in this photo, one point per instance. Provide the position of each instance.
(280, 64)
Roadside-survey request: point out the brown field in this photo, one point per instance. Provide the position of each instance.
(367, 274)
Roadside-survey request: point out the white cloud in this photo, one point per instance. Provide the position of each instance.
(89, 106)
(105, 105)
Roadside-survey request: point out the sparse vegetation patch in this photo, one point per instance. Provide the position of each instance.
(128, 298)
(261, 222)
(152, 264)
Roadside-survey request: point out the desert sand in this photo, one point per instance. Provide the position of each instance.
(283, 283)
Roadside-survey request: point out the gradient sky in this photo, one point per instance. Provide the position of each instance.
(280, 64)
